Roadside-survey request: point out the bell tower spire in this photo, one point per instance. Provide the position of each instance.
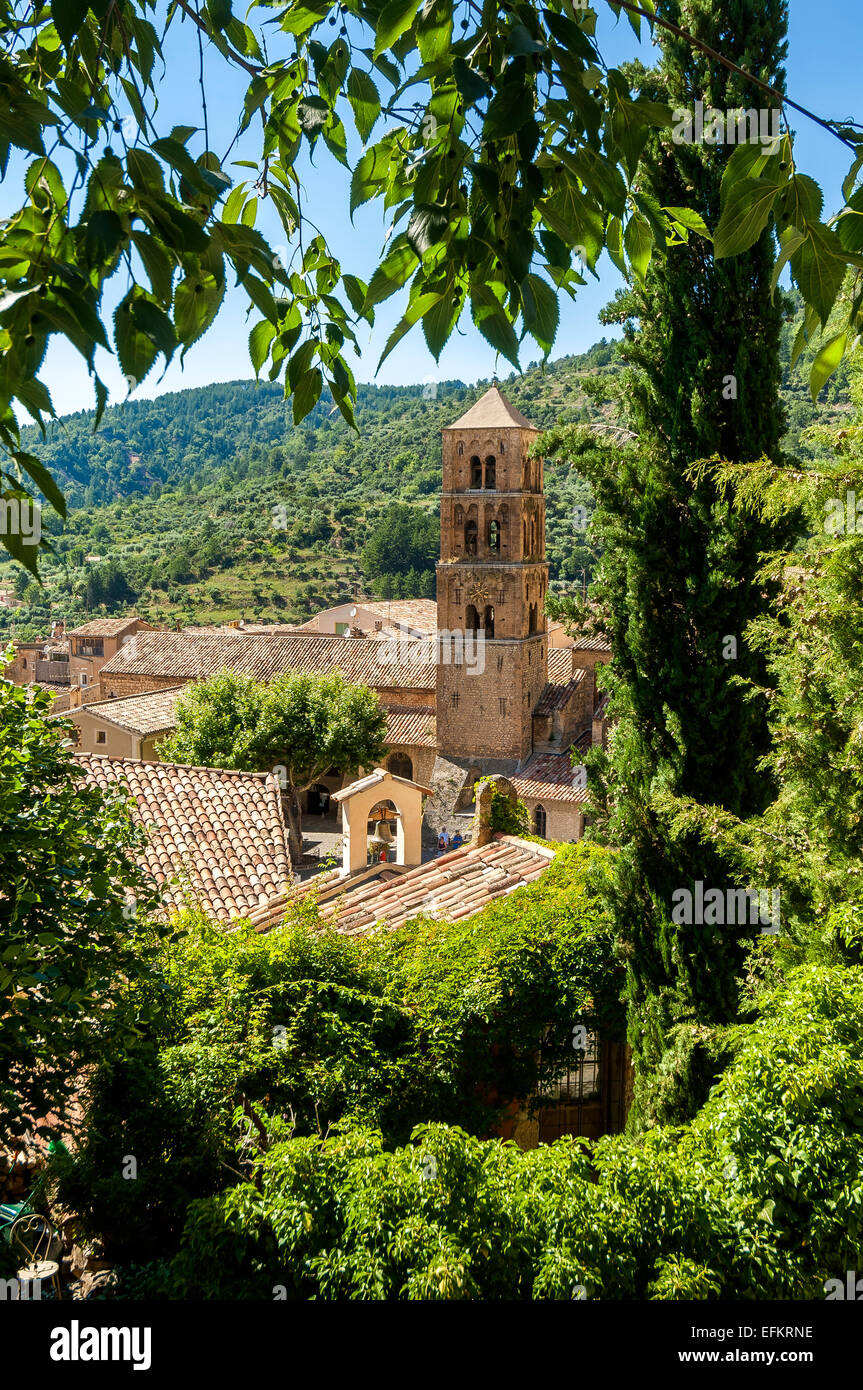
(492, 580)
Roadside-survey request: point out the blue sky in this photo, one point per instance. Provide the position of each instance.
(823, 74)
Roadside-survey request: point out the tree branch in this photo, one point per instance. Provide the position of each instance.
(732, 67)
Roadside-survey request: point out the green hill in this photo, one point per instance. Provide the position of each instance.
(209, 504)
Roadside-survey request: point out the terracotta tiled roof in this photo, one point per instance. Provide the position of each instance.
(221, 834)
(558, 696)
(186, 656)
(375, 779)
(149, 713)
(103, 627)
(456, 885)
(591, 644)
(550, 776)
(417, 613)
(416, 727)
(559, 665)
(492, 411)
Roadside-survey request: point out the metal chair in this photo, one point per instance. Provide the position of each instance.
(36, 1238)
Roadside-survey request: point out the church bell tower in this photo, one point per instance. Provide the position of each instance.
(492, 580)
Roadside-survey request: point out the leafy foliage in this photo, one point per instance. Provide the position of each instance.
(437, 1021)
(69, 960)
(760, 1197)
(515, 164)
(305, 724)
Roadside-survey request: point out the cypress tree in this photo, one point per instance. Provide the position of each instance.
(678, 577)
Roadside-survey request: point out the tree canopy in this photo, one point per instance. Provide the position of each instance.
(508, 155)
(301, 725)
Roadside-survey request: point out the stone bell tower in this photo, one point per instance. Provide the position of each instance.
(491, 584)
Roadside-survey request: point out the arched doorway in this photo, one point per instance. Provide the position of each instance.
(318, 800)
(400, 765)
(471, 619)
(488, 622)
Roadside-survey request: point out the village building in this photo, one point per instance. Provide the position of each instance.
(92, 645)
(126, 728)
(215, 839)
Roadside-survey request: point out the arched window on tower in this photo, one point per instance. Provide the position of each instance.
(533, 616)
(494, 537)
(459, 516)
(470, 538)
(475, 472)
(460, 450)
(539, 821)
(502, 449)
(490, 471)
(471, 619)
(524, 538)
(488, 622)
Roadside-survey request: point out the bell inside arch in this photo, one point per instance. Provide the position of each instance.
(383, 832)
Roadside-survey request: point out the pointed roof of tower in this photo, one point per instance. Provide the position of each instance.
(492, 411)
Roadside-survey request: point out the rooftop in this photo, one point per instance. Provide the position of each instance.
(550, 776)
(214, 835)
(558, 696)
(185, 656)
(149, 713)
(492, 411)
(415, 727)
(559, 664)
(454, 886)
(103, 627)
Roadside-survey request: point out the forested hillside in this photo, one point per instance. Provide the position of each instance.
(209, 504)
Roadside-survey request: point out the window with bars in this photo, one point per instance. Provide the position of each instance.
(581, 1079)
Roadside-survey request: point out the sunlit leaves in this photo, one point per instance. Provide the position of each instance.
(364, 100)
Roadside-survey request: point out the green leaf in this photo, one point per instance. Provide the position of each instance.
(259, 343)
(789, 242)
(196, 302)
(826, 362)
(439, 322)
(819, 269)
(364, 100)
(511, 109)
(136, 349)
(745, 212)
(427, 226)
(416, 309)
(307, 394)
(313, 113)
(692, 221)
(396, 18)
(540, 310)
(393, 272)
(492, 322)
(638, 241)
(68, 16)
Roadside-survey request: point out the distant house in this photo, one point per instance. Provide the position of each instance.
(413, 616)
(128, 728)
(214, 838)
(96, 642)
